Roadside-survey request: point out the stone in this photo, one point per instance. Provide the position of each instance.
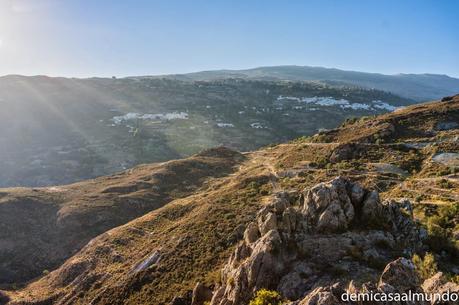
(262, 264)
(321, 296)
(400, 274)
(289, 220)
(343, 152)
(371, 208)
(251, 233)
(280, 204)
(267, 223)
(303, 249)
(407, 206)
(357, 195)
(371, 255)
(201, 294)
(446, 126)
(218, 297)
(434, 283)
(328, 208)
(387, 129)
(439, 284)
(292, 286)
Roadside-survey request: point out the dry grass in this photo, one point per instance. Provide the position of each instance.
(196, 231)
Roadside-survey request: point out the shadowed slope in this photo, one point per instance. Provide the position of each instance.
(42, 227)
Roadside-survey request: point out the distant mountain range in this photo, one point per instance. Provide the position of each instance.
(419, 87)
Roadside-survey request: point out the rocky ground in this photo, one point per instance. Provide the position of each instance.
(314, 246)
(370, 206)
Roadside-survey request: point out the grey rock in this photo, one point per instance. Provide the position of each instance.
(400, 274)
(292, 247)
(328, 208)
(371, 209)
(267, 223)
(201, 294)
(251, 233)
(357, 195)
(292, 285)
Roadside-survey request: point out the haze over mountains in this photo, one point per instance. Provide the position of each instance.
(62, 130)
(419, 87)
(221, 226)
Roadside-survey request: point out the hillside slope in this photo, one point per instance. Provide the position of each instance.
(412, 154)
(42, 227)
(62, 130)
(420, 87)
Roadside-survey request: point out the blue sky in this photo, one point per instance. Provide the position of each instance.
(107, 37)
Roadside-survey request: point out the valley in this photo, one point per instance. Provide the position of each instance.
(67, 130)
(398, 175)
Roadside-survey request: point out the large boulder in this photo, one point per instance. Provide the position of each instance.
(328, 206)
(322, 296)
(440, 285)
(301, 247)
(398, 278)
(400, 274)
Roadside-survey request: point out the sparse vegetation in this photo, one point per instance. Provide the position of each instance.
(51, 151)
(445, 183)
(426, 266)
(203, 220)
(266, 297)
(440, 228)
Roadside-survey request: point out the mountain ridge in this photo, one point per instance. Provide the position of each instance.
(416, 86)
(380, 81)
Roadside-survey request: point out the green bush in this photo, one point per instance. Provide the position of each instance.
(445, 183)
(266, 297)
(440, 228)
(444, 172)
(426, 267)
(349, 121)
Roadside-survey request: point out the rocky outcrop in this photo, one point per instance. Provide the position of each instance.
(400, 274)
(328, 207)
(440, 285)
(334, 230)
(399, 278)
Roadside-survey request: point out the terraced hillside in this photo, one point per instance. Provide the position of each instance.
(66, 130)
(158, 258)
(420, 87)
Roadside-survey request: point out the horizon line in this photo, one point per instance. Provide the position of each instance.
(225, 69)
